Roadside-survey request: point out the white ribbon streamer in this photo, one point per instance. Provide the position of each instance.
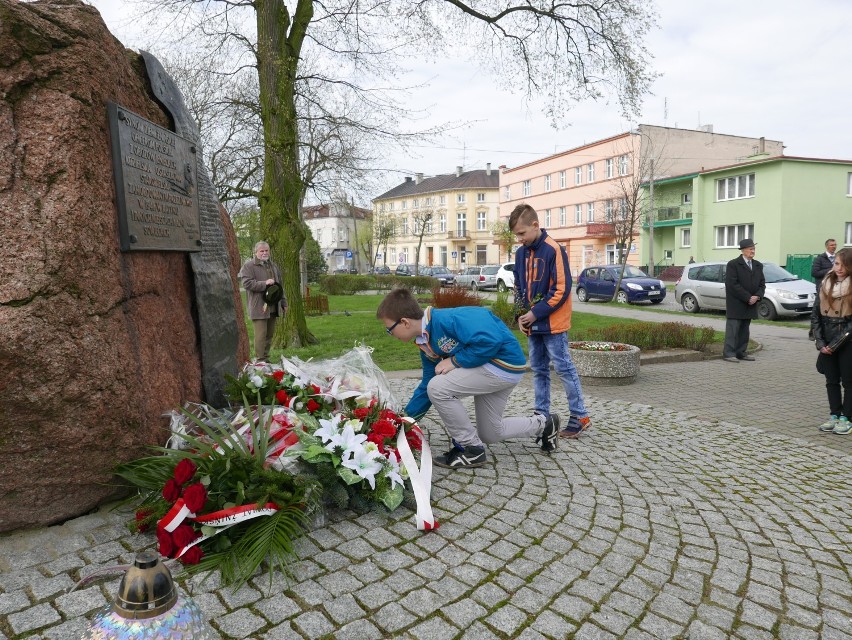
(421, 479)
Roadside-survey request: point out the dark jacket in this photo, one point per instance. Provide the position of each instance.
(543, 284)
(741, 283)
(829, 318)
(821, 265)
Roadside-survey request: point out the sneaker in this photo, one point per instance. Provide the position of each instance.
(459, 456)
(549, 437)
(843, 426)
(575, 427)
(829, 424)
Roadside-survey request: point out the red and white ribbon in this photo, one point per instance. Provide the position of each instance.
(227, 518)
(177, 514)
(421, 479)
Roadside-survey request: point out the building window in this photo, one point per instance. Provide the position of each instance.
(404, 204)
(547, 183)
(403, 256)
(590, 212)
(622, 208)
(442, 255)
(608, 165)
(405, 226)
(563, 217)
(622, 165)
(578, 213)
(415, 203)
(481, 254)
(686, 237)
(590, 172)
(526, 188)
(562, 181)
(507, 193)
(382, 207)
(686, 198)
(442, 200)
(578, 175)
(341, 234)
(461, 225)
(392, 256)
(480, 197)
(608, 211)
(460, 198)
(729, 236)
(848, 240)
(735, 187)
(480, 221)
(391, 207)
(547, 218)
(442, 223)
(429, 224)
(849, 184)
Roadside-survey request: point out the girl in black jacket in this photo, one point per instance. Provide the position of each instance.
(831, 320)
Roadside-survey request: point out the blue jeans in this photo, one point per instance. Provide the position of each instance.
(543, 349)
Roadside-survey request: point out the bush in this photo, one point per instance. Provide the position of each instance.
(454, 297)
(671, 335)
(504, 309)
(347, 285)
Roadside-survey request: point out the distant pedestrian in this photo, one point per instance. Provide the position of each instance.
(823, 263)
(691, 260)
(543, 288)
(830, 320)
(261, 279)
(744, 287)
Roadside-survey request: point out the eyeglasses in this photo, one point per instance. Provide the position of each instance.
(392, 327)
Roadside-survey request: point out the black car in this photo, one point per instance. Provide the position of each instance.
(381, 270)
(444, 275)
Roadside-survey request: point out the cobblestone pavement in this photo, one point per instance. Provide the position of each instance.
(702, 505)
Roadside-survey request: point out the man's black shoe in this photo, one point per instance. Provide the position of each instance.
(549, 437)
(460, 457)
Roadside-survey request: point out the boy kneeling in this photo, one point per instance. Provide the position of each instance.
(465, 351)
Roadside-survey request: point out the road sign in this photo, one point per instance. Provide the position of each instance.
(348, 255)
(455, 254)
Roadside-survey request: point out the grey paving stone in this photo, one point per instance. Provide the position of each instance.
(374, 596)
(791, 632)
(589, 631)
(31, 619)
(366, 571)
(699, 630)
(72, 629)
(489, 595)
(392, 560)
(672, 608)
(240, 624)
(359, 630)
(753, 614)
(210, 605)
(283, 631)
(393, 617)
(277, 608)
(313, 624)
(14, 601)
(613, 621)
(464, 612)
(433, 629)
(310, 592)
(403, 581)
(243, 596)
(572, 607)
(343, 609)
(78, 603)
(507, 619)
(423, 602)
(103, 552)
(660, 627)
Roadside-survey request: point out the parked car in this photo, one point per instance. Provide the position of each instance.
(404, 270)
(506, 276)
(479, 277)
(381, 270)
(702, 286)
(350, 270)
(444, 275)
(636, 285)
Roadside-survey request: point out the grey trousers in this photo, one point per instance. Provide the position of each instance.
(490, 394)
(736, 337)
(264, 330)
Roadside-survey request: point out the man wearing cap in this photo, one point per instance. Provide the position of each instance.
(744, 287)
(262, 281)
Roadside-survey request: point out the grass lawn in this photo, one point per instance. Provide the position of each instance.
(338, 333)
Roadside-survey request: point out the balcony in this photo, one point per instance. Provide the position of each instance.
(600, 230)
(667, 214)
(458, 235)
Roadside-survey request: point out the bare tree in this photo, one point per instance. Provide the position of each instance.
(421, 220)
(503, 236)
(384, 230)
(568, 52)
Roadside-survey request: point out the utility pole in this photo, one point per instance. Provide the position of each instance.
(651, 223)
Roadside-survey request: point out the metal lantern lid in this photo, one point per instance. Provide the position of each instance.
(147, 589)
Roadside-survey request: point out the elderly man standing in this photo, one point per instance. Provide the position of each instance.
(261, 279)
(744, 287)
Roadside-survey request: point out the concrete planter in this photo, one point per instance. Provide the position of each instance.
(606, 368)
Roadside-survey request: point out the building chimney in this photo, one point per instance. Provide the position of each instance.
(419, 178)
(458, 171)
(488, 168)
(408, 178)
(761, 145)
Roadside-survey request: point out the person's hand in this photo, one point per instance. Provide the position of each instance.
(444, 366)
(270, 281)
(526, 320)
(753, 300)
(826, 351)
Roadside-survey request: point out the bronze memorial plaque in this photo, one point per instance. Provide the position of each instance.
(155, 182)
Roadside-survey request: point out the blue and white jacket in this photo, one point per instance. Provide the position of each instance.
(471, 337)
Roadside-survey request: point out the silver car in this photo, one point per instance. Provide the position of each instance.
(479, 277)
(702, 286)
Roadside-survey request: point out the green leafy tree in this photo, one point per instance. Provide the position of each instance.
(314, 260)
(503, 236)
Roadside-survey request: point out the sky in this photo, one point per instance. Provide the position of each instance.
(773, 68)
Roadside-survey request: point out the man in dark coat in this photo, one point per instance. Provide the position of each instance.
(823, 262)
(257, 275)
(744, 287)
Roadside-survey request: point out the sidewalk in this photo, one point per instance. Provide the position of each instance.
(692, 509)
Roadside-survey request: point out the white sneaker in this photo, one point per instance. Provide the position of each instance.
(843, 426)
(829, 424)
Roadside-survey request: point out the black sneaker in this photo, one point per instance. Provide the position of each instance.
(549, 437)
(462, 457)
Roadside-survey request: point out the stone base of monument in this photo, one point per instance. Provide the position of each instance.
(605, 363)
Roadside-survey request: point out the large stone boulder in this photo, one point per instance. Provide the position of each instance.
(95, 345)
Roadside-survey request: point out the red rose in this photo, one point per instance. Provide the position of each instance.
(184, 471)
(414, 441)
(193, 555)
(166, 544)
(278, 376)
(194, 496)
(384, 428)
(282, 397)
(315, 389)
(376, 439)
(182, 536)
(142, 516)
(387, 414)
(171, 490)
(361, 413)
(313, 405)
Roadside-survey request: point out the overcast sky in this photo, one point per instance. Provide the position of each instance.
(773, 68)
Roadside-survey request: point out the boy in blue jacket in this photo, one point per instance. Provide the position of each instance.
(465, 351)
(543, 287)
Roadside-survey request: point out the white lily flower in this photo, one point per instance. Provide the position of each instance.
(365, 464)
(394, 473)
(329, 430)
(348, 440)
(256, 381)
(356, 424)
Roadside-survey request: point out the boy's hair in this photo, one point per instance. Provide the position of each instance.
(522, 213)
(399, 304)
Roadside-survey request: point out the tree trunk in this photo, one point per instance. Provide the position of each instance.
(283, 189)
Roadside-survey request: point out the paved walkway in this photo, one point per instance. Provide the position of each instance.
(701, 506)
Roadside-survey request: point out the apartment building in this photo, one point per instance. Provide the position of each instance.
(449, 217)
(580, 194)
(344, 234)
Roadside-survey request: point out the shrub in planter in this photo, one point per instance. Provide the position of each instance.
(454, 297)
(605, 363)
